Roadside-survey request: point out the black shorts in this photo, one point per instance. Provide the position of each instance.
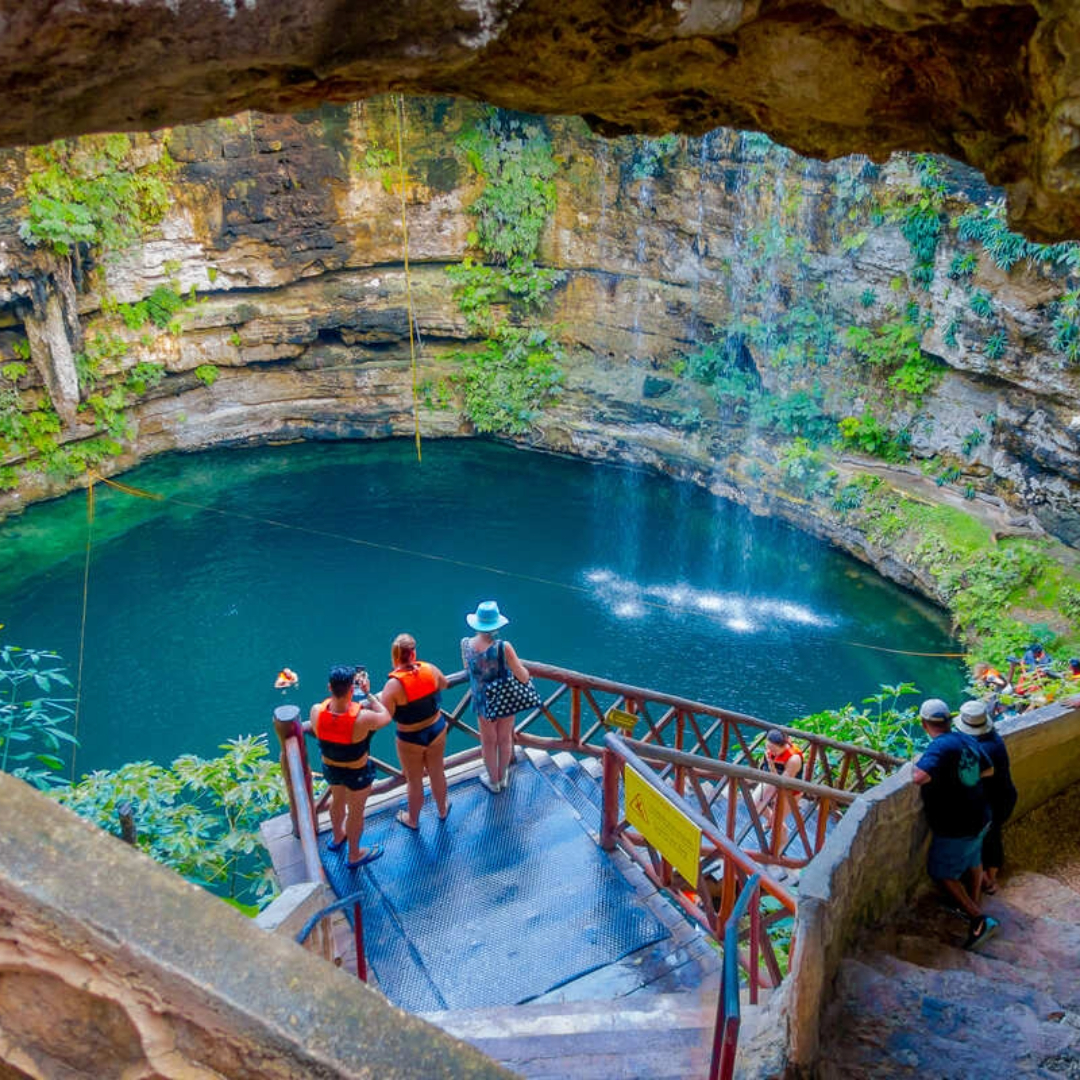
(353, 779)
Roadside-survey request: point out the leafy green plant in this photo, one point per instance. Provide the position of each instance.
(88, 191)
(982, 304)
(512, 153)
(871, 436)
(650, 157)
(986, 225)
(882, 724)
(951, 332)
(972, 440)
(896, 346)
(963, 266)
(21, 348)
(803, 469)
(1069, 602)
(207, 374)
(868, 298)
(1066, 326)
(200, 816)
(32, 720)
(508, 380)
(917, 210)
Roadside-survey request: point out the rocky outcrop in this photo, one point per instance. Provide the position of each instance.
(284, 241)
(992, 84)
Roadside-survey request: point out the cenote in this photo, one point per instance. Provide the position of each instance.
(310, 554)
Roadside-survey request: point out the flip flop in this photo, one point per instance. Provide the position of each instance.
(402, 818)
(449, 807)
(367, 855)
(336, 845)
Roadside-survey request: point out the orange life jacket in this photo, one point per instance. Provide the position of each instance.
(421, 685)
(417, 680)
(777, 763)
(334, 727)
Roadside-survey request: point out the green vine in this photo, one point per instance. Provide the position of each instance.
(517, 369)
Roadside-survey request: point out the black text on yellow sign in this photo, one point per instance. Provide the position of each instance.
(669, 830)
(620, 718)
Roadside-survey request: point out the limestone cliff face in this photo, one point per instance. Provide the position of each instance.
(289, 231)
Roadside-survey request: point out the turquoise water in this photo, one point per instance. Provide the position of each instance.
(622, 574)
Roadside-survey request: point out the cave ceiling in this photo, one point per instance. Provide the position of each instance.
(994, 84)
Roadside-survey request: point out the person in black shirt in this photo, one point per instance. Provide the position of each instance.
(949, 774)
(999, 789)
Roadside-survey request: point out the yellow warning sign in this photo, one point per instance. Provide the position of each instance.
(620, 718)
(669, 830)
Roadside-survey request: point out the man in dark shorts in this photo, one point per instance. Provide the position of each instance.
(949, 774)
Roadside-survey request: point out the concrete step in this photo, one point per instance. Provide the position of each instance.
(654, 1036)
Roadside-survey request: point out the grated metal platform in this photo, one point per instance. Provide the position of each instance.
(505, 901)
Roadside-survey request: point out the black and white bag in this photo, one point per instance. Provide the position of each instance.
(504, 695)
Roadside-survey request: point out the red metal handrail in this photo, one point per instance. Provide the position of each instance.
(728, 1006)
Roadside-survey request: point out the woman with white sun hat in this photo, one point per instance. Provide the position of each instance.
(486, 659)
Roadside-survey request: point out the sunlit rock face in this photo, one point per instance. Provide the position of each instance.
(992, 84)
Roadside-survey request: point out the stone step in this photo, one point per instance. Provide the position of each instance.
(654, 1036)
(887, 1026)
(928, 953)
(1037, 894)
(965, 984)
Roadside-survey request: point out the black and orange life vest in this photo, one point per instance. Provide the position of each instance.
(335, 733)
(777, 763)
(422, 696)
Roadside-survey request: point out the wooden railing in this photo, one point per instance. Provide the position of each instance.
(786, 817)
(699, 750)
(719, 861)
(575, 707)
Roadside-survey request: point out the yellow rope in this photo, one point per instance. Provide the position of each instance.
(446, 559)
(399, 114)
(82, 625)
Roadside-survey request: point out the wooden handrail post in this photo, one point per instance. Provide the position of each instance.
(575, 715)
(287, 725)
(127, 824)
(612, 769)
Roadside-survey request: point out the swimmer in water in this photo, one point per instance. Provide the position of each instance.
(286, 679)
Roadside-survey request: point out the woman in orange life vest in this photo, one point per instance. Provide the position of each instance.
(411, 695)
(785, 759)
(344, 728)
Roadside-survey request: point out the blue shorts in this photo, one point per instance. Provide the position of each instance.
(951, 856)
(425, 736)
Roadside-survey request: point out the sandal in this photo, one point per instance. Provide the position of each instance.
(449, 807)
(402, 818)
(366, 855)
(336, 845)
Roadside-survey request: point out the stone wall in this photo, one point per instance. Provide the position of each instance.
(876, 858)
(111, 965)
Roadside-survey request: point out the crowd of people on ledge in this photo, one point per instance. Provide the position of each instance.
(968, 794)
(410, 700)
(1031, 680)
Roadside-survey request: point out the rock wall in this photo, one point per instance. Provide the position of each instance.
(284, 235)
